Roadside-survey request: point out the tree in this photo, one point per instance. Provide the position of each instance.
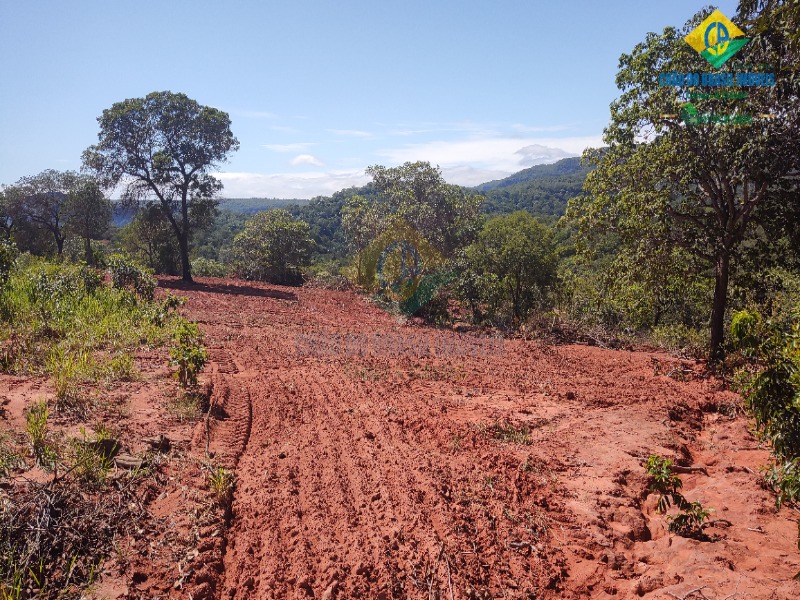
(6, 220)
(38, 204)
(162, 148)
(272, 247)
(444, 214)
(149, 238)
(514, 258)
(707, 187)
(360, 223)
(88, 213)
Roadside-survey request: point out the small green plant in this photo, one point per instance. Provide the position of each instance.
(67, 371)
(507, 431)
(10, 459)
(91, 459)
(222, 482)
(665, 483)
(690, 520)
(120, 367)
(187, 354)
(36, 427)
(784, 480)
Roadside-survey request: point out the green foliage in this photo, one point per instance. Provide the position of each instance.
(665, 483)
(206, 267)
(222, 483)
(691, 516)
(513, 263)
(127, 275)
(8, 255)
(36, 417)
(68, 369)
(272, 247)
(542, 190)
(187, 354)
(784, 479)
(91, 461)
(150, 240)
(773, 394)
(445, 215)
(508, 431)
(178, 143)
(711, 190)
(60, 320)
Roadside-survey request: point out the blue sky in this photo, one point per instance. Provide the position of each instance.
(319, 90)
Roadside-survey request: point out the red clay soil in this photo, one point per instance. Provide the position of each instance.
(377, 458)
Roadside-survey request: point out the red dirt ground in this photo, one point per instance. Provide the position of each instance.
(378, 458)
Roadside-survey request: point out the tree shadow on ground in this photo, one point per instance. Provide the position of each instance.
(226, 287)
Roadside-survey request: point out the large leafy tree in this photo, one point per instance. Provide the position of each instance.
(38, 208)
(272, 247)
(162, 149)
(88, 213)
(514, 260)
(444, 214)
(707, 188)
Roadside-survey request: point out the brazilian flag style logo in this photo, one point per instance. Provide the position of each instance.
(716, 39)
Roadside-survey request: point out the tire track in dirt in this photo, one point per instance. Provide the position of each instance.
(383, 476)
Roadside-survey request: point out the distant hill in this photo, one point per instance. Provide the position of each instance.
(542, 190)
(565, 166)
(250, 206)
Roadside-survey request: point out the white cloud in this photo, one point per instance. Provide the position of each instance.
(306, 159)
(356, 133)
(290, 185)
(500, 154)
(297, 147)
(536, 154)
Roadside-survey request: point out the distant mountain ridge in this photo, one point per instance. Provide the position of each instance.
(565, 166)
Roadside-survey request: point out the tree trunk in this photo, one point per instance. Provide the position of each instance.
(87, 248)
(186, 267)
(721, 275)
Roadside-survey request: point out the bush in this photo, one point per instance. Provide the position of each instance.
(8, 254)
(273, 247)
(206, 267)
(127, 275)
(187, 354)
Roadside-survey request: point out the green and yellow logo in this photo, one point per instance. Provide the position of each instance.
(716, 39)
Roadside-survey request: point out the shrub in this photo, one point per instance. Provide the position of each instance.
(8, 254)
(272, 247)
(691, 516)
(36, 427)
(127, 275)
(187, 354)
(206, 267)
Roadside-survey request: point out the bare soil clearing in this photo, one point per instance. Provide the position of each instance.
(377, 458)
(383, 470)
